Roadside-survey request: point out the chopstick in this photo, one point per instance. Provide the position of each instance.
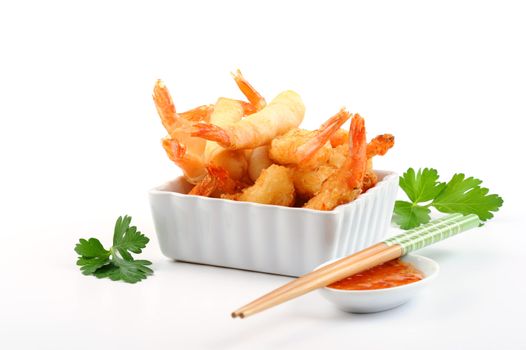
(377, 254)
(311, 276)
(319, 278)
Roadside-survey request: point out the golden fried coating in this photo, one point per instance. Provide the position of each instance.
(273, 186)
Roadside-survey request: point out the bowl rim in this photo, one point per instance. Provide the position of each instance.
(426, 279)
(388, 176)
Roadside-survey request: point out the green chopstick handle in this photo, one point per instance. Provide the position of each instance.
(434, 231)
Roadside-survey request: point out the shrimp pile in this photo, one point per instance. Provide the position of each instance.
(255, 152)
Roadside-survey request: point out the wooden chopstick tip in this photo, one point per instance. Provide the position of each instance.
(236, 314)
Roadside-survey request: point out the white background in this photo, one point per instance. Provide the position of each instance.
(79, 143)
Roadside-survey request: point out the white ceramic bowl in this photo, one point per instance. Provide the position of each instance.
(375, 300)
(267, 238)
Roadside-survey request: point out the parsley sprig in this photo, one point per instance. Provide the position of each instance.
(116, 263)
(459, 195)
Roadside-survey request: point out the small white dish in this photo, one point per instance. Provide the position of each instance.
(375, 300)
(268, 238)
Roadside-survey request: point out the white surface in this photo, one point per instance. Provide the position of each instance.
(376, 300)
(79, 143)
(263, 238)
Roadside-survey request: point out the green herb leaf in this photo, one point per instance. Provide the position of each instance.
(128, 238)
(110, 271)
(422, 186)
(131, 271)
(465, 196)
(117, 263)
(409, 215)
(460, 195)
(89, 265)
(90, 248)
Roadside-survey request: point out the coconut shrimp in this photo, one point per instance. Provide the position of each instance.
(226, 112)
(346, 183)
(273, 186)
(216, 182)
(283, 113)
(258, 160)
(300, 146)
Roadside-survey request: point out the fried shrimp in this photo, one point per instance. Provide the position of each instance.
(248, 150)
(283, 113)
(216, 182)
(308, 181)
(346, 183)
(192, 154)
(185, 151)
(258, 160)
(226, 112)
(192, 165)
(340, 137)
(273, 186)
(300, 146)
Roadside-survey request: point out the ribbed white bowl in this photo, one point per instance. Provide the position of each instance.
(267, 238)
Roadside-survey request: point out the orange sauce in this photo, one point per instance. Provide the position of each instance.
(390, 274)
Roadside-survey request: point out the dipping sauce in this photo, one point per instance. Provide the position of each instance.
(390, 274)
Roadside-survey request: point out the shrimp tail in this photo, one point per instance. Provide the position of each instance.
(380, 145)
(357, 161)
(212, 132)
(211, 182)
(218, 172)
(248, 90)
(167, 112)
(226, 182)
(175, 150)
(190, 164)
(308, 149)
(201, 113)
(248, 108)
(205, 187)
(217, 182)
(164, 105)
